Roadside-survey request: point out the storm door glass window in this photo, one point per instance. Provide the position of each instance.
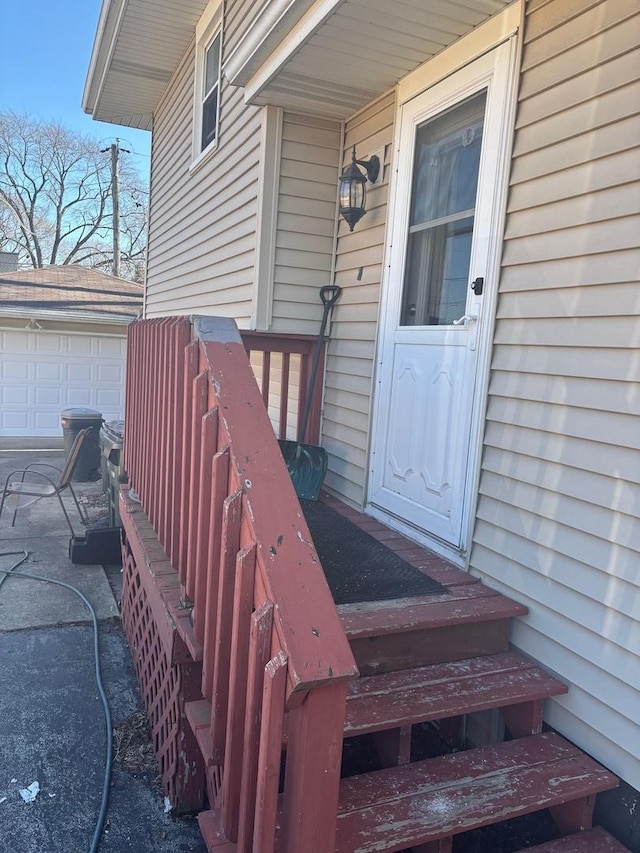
(443, 201)
(211, 89)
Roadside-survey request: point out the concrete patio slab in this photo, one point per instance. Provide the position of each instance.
(41, 530)
(26, 603)
(52, 728)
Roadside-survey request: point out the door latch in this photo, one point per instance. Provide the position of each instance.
(478, 286)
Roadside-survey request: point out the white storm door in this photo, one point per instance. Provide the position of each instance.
(433, 320)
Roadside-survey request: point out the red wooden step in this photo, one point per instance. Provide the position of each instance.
(214, 838)
(592, 841)
(412, 632)
(395, 699)
(464, 604)
(425, 801)
(198, 715)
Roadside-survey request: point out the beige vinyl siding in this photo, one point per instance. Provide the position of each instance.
(359, 262)
(305, 226)
(202, 230)
(557, 517)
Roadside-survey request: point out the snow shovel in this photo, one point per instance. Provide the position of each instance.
(307, 463)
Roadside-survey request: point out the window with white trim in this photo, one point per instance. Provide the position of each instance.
(206, 113)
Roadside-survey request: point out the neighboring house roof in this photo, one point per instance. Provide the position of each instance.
(70, 290)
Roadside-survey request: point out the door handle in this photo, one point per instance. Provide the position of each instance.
(465, 319)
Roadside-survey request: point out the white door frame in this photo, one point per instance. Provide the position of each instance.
(498, 34)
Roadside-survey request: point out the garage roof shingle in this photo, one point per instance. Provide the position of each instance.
(70, 289)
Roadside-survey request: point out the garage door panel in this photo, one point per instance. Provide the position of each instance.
(107, 399)
(15, 422)
(46, 423)
(110, 373)
(80, 372)
(80, 397)
(42, 373)
(14, 395)
(83, 346)
(50, 371)
(13, 368)
(48, 396)
(46, 344)
(111, 347)
(15, 341)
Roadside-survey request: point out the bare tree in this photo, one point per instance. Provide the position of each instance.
(55, 198)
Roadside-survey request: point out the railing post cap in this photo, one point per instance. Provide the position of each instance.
(222, 330)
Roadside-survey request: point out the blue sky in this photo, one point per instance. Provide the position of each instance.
(44, 57)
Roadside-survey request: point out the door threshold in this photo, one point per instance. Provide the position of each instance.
(453, 555)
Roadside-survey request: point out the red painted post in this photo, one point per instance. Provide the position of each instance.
(266, 377)
(284, 395)
(312, 775)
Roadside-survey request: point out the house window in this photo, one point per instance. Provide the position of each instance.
(211, 89)
(206, 102)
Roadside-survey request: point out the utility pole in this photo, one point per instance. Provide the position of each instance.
(115, 200)
(115, 196)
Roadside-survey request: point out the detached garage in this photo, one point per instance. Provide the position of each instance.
(63, 344)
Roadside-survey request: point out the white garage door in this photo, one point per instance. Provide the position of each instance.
(42, 373)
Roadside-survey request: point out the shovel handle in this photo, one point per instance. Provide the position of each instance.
(330, 293)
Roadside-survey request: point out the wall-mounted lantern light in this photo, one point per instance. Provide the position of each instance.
(352, 191)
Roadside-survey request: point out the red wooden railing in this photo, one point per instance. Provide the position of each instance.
(291, 375)
(202, 456)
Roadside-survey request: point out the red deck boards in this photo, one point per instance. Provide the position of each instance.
(465, 604)
(427, 800)
(402, 698)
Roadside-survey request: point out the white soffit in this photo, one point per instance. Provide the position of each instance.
(343, 53)
(137, 47)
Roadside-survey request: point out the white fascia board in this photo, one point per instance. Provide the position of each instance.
(299, 34)
(263, 35)
(102, 52)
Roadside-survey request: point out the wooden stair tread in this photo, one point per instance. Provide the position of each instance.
(462, 605)
(394, 699)
(595, 840)
(428, 800)
(214, 838)
(198, 713)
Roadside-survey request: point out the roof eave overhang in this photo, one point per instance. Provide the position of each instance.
(279, 65)
(121, 58)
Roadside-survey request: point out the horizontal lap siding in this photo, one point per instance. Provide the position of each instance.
(557, 519)
(359, 262)
(202, 230)
(305, 224)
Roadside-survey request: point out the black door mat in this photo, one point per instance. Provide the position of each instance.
(357, 566)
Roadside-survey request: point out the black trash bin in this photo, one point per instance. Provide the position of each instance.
(72, 421)
(113, 473)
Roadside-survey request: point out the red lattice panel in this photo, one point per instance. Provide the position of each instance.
(165, 688)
